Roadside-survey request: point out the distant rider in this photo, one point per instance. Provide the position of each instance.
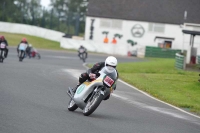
(28, 50)
(81, 50)
(3, 40)
(22, 46)
(110, 64)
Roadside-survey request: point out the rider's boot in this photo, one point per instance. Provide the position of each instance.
(75, 88)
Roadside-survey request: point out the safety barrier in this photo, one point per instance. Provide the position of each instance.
(198, 59)
(31, 30)
(160, 52)
(180, 62)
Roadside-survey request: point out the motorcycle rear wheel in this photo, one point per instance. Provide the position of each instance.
(72, 105)
(92, 105)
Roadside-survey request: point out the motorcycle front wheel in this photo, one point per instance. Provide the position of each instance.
(83, 57)
(92, 104)
(1, 59)
(72, 105)
(38, 56)
(1, 56)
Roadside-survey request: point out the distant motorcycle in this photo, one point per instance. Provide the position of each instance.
(22, 50)
(89, 95)
(34, 54)
(82, 54)
(2, 48)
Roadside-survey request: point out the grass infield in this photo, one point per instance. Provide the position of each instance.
(37, 42)
(161, 79)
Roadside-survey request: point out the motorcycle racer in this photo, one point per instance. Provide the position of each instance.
(82, 48)
(3, 40)
(110, 64)
(22, 41)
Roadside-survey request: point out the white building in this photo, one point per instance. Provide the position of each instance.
(145, 23)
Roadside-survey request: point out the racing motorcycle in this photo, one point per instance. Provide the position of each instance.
(33, 54)
(22, 50)
(82, 54)
(3, 48)
(89, 95)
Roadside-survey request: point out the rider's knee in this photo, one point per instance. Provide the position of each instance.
(83, 77)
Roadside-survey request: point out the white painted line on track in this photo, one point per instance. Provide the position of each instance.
(74, 72)
(133, 87)
(157, 109)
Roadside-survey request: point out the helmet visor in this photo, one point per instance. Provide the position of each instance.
(110, 66)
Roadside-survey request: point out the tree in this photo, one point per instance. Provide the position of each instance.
(65, 15)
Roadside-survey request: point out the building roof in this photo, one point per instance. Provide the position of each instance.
(160, 11)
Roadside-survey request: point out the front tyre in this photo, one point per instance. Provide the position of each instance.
(92, 105)
(83, 57)
(38, 56)
(72, 105)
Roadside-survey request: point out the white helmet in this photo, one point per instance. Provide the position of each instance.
(110, 64)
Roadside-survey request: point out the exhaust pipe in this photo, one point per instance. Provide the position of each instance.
(71, 94)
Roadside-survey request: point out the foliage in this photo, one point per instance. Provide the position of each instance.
(67, 16)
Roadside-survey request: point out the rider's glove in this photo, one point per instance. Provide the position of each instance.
(92, 75)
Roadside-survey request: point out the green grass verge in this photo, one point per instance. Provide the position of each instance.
(37, 42)
(161, 79)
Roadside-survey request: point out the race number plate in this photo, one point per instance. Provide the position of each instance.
(3, 45)
(22, 46)
(108, 81)
(81, 50)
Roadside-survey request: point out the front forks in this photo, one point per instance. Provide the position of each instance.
(96, 90)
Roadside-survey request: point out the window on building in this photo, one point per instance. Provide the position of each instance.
(111, 23)
(117, 24)
(165, 44)
(105, 23)
(155, 27)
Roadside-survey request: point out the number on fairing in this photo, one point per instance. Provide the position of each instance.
(22, 46)
(108, 81)
(3, 45)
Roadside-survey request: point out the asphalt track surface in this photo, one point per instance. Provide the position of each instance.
(33, 99)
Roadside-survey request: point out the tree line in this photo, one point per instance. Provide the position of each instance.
(67, 16)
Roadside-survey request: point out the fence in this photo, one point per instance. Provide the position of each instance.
(198, 59)
(180, 61)
(160, 52)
